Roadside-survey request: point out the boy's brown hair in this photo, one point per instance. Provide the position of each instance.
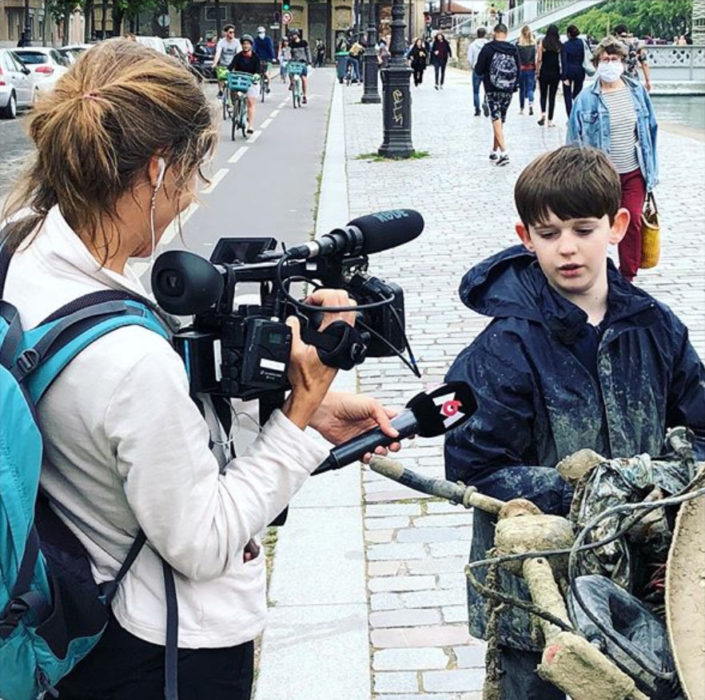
(571, 182)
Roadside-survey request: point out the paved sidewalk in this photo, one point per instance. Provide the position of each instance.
(368, 591)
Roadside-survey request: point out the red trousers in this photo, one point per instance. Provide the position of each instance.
(633, 197)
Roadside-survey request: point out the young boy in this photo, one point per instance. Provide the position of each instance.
(575, 357)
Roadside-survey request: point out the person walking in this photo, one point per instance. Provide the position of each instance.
(419, 58)
(572, 71)
(548, 67)
(440, 53)
(617, 117)
(636, 56)
(527, 68)
(498, 64)
(320, 53)
(473, 54)
(283, 56)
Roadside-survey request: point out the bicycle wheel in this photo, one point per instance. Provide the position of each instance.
(225, 104)
(243, 117)
(234, 118)
(294, 88)
(262, 89)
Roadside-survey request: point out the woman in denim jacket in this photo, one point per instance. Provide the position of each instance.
(616, 116)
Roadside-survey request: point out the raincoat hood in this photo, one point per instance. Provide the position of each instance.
(510, 284)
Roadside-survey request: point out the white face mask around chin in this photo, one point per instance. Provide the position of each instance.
(610, 72)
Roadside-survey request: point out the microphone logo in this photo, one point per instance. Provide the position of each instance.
(451, 410)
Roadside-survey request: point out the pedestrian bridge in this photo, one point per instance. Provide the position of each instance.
(535, 13)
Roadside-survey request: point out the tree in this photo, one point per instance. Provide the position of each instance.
(658, 18)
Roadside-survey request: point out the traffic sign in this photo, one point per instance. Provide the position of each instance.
(287, 17)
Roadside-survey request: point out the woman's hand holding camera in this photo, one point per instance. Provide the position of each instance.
(310, 379)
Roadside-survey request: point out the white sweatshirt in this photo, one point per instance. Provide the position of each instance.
(125, 447)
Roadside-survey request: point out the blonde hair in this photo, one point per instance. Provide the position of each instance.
(95, 132)
(527, 36)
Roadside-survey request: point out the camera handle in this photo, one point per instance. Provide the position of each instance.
(339, 345)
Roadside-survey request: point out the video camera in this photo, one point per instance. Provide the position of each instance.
(243, 351)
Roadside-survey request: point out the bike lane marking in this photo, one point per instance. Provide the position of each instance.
(254, 136)
(265, 123)
(274, 113)
(215, 180)
(235, 157)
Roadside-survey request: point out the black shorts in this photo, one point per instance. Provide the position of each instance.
(498, 104)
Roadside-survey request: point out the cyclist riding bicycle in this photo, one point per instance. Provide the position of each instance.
(300, 52)
(247, 61)
(225, 51)
(264, 48)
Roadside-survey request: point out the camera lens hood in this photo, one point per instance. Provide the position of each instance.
(185, 283)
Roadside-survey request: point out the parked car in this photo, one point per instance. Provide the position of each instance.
(184, 44)
(177, 53)
(46, 63)
(73, 51)
(17, 86)
(152, 42)
(203, 61)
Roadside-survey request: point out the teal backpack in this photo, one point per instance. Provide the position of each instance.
(52, 613)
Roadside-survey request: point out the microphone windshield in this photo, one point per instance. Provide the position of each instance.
(443, 409)
(388, 229)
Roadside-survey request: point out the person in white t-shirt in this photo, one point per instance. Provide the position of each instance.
(226, 49)
(125, 446)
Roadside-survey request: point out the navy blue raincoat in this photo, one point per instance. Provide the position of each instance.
(538, 402)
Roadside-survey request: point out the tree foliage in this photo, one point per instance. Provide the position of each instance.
(657, 18)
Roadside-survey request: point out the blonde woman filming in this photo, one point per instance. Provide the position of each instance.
(120, 142)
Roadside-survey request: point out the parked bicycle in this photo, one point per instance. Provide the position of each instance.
(238, 85)
(295, 69)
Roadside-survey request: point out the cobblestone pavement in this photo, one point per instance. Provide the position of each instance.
(416, 546)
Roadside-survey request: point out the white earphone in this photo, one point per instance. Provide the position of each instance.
(160, 175)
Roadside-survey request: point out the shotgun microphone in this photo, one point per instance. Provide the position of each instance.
(427, 414)
(367, 234)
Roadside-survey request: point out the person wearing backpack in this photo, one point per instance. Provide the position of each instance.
(126, 449)
(498, 64)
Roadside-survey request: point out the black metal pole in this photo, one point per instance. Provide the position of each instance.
(396, 93)
(371, 66)
(27, 31)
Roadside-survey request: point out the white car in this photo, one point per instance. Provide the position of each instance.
(17, 84)
(46, 63)
(73, 51)
(184, 43)
(152, 42)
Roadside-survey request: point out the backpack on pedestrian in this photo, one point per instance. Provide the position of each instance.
(503, 72)
(52, 613)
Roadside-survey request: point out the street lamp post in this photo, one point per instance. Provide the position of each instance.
(396, 93)
(371, 67)
(27, 31)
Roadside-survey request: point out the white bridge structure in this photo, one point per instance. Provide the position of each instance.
(535, 13)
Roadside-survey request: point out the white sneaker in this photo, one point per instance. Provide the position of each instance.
(494, 155)
(503, 160)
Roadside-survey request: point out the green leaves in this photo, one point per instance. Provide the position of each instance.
(658, 18)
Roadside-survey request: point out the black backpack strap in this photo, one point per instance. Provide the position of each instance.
(109, 588)
(13, 336)
(171, 651)
(5, 258)
(22, 599)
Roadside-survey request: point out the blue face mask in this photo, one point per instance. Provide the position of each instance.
(610, 72)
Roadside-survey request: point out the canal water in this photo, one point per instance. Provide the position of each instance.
(687, 110)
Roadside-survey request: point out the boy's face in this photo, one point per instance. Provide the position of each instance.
(573, 253)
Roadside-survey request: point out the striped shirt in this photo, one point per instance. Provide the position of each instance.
(622, 129)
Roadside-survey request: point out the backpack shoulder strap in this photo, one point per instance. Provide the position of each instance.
(49, 347)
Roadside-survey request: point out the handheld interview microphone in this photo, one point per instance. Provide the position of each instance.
(427, 414)
(366, 234)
